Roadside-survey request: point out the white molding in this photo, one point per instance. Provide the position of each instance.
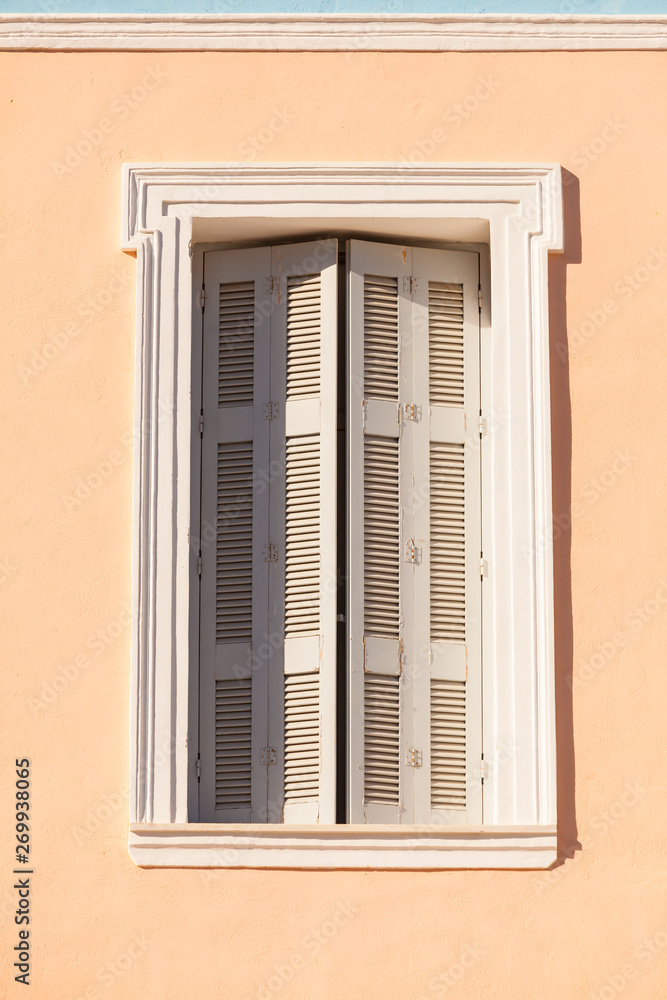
(522, 205)
(199, 845)
(331, 32)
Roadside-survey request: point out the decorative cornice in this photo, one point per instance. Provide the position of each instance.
(331, 32)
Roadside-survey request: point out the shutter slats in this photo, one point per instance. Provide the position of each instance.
(233, 744)
(236, 343)
(234, 543)
(448, 542)
(380, 337)
(381, 537)
(302, 738)
(302, 536)
(303, 335)
(445, 323)
(381, 739)
(448, 744)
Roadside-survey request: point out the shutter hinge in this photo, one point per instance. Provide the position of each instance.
(410, 285)
(483, 568)
(483, 770)
(267, 756)
(270, 553)
(199, 564)
(269, 411)
(271, 285)
(201, 424)
(340, 618)
(479, 297)
(190, 250)
(201, 298)
(482, 425)
(198, 767)
(413, 757)
(413, 552)
(412, 411)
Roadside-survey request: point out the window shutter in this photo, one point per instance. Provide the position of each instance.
(414, 555)
(268, 617)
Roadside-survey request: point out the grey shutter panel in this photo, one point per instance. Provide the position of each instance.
(268, 616)
(234, 679)
(303, 593)
(414, 611)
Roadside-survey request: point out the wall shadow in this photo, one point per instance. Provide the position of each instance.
(561, 470)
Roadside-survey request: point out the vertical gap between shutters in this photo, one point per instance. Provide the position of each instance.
(341, 546)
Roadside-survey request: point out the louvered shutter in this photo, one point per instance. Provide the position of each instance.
(414, 555)
(268, 621)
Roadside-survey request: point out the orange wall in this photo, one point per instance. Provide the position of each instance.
(595, 926)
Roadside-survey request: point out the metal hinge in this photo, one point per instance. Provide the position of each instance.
(198, 767)
(482, 425)
(201, 424)
(269, 411)
(412, 411)
(483, 770)
(271, 285)
(267, 755)
(479, 297)
(413, 757)
(190, 250)
(483, 568)
(201, 298)
(340, 618)
(410, 285)
(413, 552)
(199, 564)
(270, 553)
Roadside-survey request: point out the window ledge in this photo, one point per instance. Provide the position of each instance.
(213, 845)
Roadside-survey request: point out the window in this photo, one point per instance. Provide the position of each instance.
(272, 669)
(509, 820)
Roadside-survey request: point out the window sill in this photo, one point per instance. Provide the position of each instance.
(211, 845)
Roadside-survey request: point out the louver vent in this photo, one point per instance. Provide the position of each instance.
(447, 489)
(236, 344)
(381, 739)
(445, 326)
(303, 335)
(233, 750)
(233, 582)
(381, 537)
(448, 744)
(302, 536)
(380, 337)
(302, 737)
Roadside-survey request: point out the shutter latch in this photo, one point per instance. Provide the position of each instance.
(269, 411)
(413, 757)
(267, 755)
(412, 411)
(413, 552)
(270, 553)
(410, 285)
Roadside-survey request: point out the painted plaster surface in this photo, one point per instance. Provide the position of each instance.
(574, 7)
(596, 926)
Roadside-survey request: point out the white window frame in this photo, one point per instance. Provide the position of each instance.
(522, 205)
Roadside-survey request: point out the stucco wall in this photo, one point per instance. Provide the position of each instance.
(595, 926)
